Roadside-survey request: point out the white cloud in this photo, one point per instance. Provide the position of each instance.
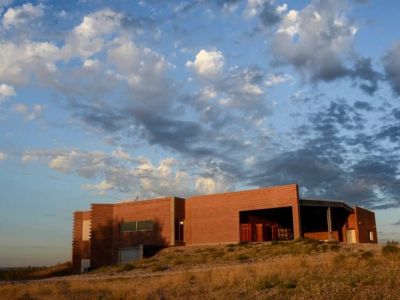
(100, 188)
(205, 185)
(6, 91)
(91, 63)
(19, 61)
(207, 63)
(275, 79)
(3, 156)
(142, 68)
(85, 164)
(253, 7)
(391, 63)
(119, 153)
(29, 114)
(252, 89)
(134, 61)
(24, 14)
(316, 39)
(135, 175)
(61, 163)
(208, 92)
(88, 38)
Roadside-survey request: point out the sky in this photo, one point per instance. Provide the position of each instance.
(102, 101)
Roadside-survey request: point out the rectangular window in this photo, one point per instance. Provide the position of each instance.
(371, 236)
(145, 225)
(85, 230)
(128, 226)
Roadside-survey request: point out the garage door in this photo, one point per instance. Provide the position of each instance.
(129, 254)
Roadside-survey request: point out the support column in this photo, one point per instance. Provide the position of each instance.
(329, 220)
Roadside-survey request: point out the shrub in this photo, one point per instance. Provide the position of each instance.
(267, 283)
(126, 267)
(309, 241)
(335, 247)
(158, 268)
(288, 284)
(393, 242)
(217, 254)
(242, 257)
(367, 254)
(390, 249)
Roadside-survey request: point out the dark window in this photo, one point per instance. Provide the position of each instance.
(145, 225)
(128, 226)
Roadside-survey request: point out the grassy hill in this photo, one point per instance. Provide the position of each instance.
(303, 269)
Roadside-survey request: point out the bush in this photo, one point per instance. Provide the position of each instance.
(242, 257)
(335, 247)
(126, 267)
(390, 249)
(267, 283)
(367, 255)
(158, 268)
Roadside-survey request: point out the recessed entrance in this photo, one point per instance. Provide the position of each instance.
(325, 223)
(266, 225)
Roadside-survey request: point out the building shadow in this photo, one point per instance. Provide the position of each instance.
(108, 240)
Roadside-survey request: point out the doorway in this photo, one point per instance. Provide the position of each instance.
(266, 225)
(351, 236)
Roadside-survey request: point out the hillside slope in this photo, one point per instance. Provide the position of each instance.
(288, 270)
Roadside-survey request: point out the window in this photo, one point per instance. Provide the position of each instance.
(128, 226)
(371, 236)
(145, 225)
(85, 230)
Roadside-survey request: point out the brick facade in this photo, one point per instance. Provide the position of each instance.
(209, 219)
(363, 221)
(215, 218)
(80, 247)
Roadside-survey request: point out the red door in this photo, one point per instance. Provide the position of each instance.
(246, 233)
(259, 233)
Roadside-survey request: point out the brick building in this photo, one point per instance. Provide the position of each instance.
(116, 233)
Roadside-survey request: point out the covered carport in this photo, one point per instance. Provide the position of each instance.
(266, 224)
(325, 220)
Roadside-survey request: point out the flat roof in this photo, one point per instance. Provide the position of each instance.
(325, 203)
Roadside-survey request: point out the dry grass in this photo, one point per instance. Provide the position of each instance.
(36, 272)
(345, 273)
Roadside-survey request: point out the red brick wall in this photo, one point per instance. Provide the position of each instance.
(158, 210)
(106, 220)
(363, 221)
(80, 249)
(365, 224)
(351, 224)
(101, 235)
(321, 236)
(215, 218)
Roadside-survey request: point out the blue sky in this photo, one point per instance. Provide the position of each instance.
(101, 102)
